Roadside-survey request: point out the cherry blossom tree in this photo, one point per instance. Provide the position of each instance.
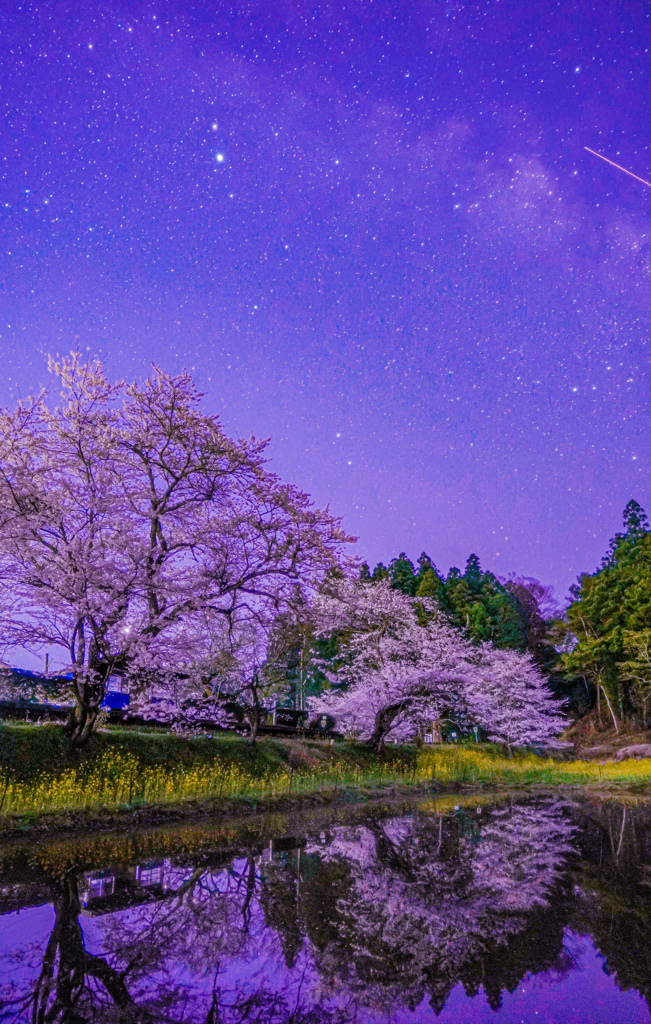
(178, 701)
(401, 665)
(395, 671)
(128, 517)
(509, 698)
(226, 683)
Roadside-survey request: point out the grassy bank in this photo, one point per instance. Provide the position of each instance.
(129, 769)
(126, 771)
(487, 765)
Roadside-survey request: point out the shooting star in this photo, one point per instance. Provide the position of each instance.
(618, 166)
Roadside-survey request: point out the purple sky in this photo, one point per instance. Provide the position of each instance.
(372, 231)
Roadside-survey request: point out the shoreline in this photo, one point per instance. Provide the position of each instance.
(49, 824)
(44, 825)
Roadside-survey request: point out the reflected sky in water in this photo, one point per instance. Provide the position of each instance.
(516, 910)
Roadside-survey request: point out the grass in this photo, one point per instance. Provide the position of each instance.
(127, 770)
(118, 781)
(486, 764)
(29, 750)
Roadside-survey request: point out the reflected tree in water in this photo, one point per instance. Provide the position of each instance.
(208, 916)
(430, 898)
(612, 888)
(72, 982)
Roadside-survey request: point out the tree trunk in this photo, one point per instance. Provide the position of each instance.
(383, 721)
(610, 709)
(437, 730)
(253, 708)
(88, 698)
(253, 718)
(67, 966)
(80, 724)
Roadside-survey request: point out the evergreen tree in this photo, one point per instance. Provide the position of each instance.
(432, 586)
(610, 618)
(478, 603)
(475, 601)
(380, 572)
(402, 575)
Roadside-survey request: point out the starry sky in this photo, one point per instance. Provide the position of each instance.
(371, 230)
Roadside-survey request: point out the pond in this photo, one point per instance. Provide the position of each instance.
(468, 909)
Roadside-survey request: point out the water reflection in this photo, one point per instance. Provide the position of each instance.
(431, 901)
(392, 915)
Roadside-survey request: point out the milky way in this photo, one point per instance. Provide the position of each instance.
(372, 231)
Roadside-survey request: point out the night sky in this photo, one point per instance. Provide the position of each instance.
(372, 231)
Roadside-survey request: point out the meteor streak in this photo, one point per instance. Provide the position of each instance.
(618, 166)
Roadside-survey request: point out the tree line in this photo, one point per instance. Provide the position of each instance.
(595, 654)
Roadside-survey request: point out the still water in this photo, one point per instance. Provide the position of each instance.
(461, 909)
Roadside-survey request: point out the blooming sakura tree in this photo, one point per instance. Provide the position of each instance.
(509, 698)
(128, 519)
(225, 684)
(401, 665)
(179, 701)
(393, 673)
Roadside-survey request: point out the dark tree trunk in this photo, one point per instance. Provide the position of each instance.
(254, 722)
(254, 710)
(80, 724)
(253, 717)
(384, 719)
(89, 691)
